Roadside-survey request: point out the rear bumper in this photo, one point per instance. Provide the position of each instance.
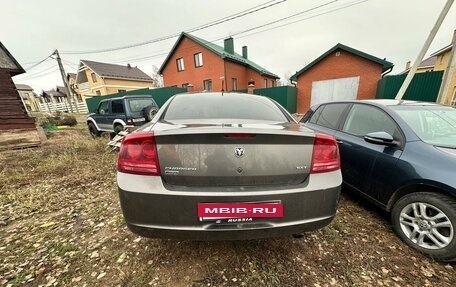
(151, 210)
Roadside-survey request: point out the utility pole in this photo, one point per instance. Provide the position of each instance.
(448, 74)
(65, 81)
(423, 51)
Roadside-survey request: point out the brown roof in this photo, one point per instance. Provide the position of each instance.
(429, 62)
(22, 87)
(62, 90)
(106, 70)
(53, 93)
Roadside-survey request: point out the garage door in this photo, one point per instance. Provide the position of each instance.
(334, 90)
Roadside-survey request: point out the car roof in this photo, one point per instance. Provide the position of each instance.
(384, 102)
(128, 97)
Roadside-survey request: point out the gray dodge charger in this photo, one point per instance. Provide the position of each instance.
(226, 166)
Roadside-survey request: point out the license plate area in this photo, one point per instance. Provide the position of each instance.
(239, 212)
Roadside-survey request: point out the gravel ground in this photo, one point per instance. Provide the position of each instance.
(61, 225)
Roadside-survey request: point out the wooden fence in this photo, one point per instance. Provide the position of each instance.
(64, 107)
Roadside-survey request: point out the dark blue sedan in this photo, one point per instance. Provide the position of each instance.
(401, 155)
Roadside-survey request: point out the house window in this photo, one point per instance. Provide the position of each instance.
(234, 84)
(207, 85)
(265, 83)
(198, 59)
(121, 91)
(94, 77)
(180, 64)
(185, 86)
(337, 54)
(98, 93)
(273, 83)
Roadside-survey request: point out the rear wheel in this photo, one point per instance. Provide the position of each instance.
(150, 112)
(426, 221)
(118, 128)
(93, 130)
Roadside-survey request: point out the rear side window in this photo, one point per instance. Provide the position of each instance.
(117, 107)
(329, 115)
(364, 119)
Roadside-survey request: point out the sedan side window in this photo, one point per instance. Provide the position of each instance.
(364, 119)
(329, 115)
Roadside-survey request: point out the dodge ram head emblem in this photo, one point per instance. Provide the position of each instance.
(239, 151)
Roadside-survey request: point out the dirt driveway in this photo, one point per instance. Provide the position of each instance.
(61, 225)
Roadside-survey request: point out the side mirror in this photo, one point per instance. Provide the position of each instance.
(380, 138)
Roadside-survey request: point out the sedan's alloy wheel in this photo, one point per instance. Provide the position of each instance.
(426, 225)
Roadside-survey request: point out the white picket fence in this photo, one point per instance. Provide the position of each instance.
(64, 107)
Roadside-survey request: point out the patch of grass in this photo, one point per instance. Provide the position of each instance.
(61, 249)
(19, 279)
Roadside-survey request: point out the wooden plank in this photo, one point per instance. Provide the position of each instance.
(19, 138)
(16, 126)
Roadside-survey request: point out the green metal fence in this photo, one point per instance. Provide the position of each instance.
(284, 95)
(424, 86)
(160, 95)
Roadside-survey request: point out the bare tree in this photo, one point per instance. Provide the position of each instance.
(156, 77)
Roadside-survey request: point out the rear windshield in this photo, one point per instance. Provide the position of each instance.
(435, 125)
(191, 107)
(137, 105)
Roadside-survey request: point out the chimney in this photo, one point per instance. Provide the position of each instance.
(244, 52)
(229, 45)
(128, 66)
(407, 65)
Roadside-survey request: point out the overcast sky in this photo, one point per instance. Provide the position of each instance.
(391, 29)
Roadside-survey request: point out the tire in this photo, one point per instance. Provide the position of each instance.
(150, 112)
(118, 128)
(93, 130)
(426, 221)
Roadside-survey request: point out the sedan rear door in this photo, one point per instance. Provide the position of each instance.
(368, 167)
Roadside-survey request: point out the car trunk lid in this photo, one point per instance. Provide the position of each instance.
(234, 154)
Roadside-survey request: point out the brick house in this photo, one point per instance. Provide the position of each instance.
(341, 73)
(201, 65)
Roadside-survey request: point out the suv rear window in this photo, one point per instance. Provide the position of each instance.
(137, 105)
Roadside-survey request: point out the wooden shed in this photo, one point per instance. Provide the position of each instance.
(17, 129)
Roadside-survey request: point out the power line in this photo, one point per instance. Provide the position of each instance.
(201, 27)
(41, 75)
(285, 18)
(333, 9)
(265, 25)
(38, 63)
(28, 74)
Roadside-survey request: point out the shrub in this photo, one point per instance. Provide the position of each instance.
(58, 119)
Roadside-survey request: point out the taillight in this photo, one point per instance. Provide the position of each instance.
(325, 156)
(138, 154)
